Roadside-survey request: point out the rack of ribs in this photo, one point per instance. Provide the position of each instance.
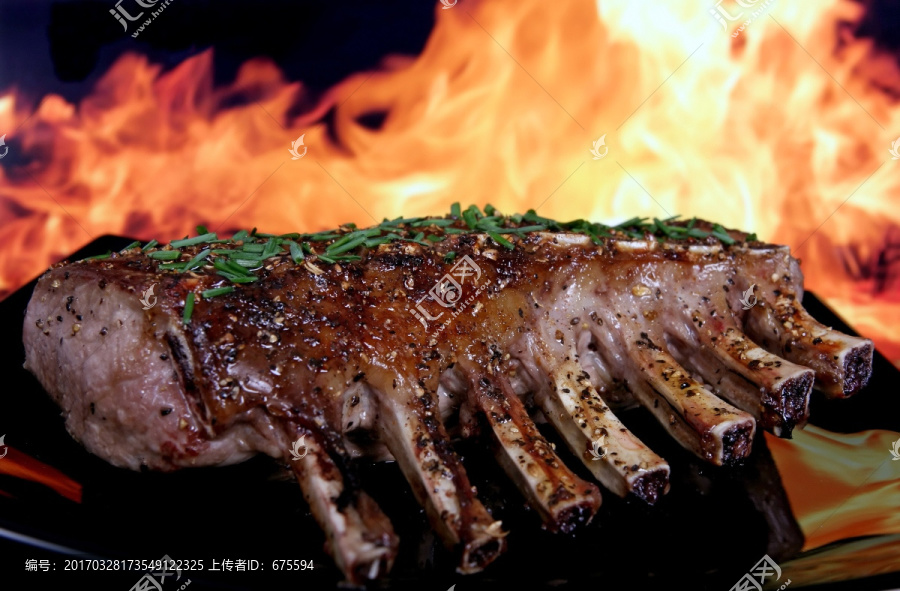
(382, 343)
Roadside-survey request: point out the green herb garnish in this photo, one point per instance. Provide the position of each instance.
(165, 255)
(211, 293)
(188, 308)
(195, 240)
(98, 256)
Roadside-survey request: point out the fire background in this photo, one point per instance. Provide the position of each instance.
(783, 127)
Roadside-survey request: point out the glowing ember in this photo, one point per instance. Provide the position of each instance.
(504, 106)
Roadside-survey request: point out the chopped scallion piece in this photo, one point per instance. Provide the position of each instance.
(211, 293)
(296, 252)
(169, 266)
(500, 240)
(165, 255)
(469, 218)
(195, 262)
(346, 246)
(195, 240)
(188, 308)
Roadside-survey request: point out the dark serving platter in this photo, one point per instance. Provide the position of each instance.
(710, 530)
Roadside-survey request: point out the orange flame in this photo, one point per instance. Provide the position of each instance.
(770, 131)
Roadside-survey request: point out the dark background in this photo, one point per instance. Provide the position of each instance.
(65, 47)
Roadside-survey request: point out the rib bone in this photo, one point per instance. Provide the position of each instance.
(412, 431)
(842, 363)
(563, 500)
(579, 414)
(359, 536)
(781, 325)
(698, 419)
(774, 390)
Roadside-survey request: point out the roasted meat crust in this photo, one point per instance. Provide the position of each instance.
(363, 358)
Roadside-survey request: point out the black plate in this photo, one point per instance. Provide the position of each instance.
(248, 512)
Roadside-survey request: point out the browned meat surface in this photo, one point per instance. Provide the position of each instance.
(374, 346)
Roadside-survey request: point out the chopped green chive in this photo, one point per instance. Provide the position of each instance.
(211, 293)
(245, 252)
(720, 233)
(165, 255)
(296, 252)
(195, 262)
(230, 267)
(169, 266)
(346, 247)
(188, 308)
(500, 240)
(469, 218)
(134, 244)
(195, 240)
(98, 256)
(271, 248)
(440, 222)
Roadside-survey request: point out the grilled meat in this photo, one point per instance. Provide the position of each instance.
(372, 343)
